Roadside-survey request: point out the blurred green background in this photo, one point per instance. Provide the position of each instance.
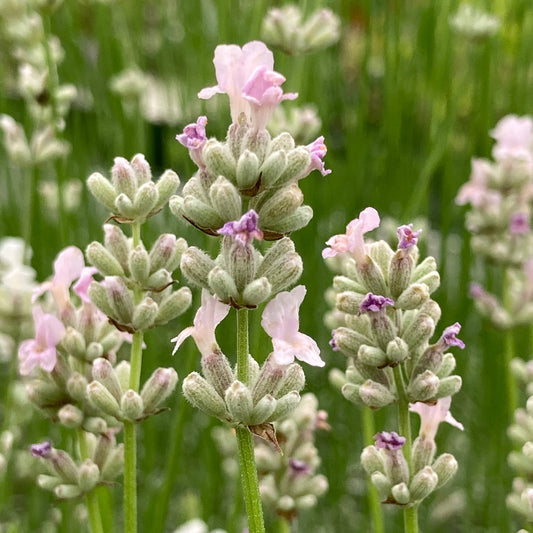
(405, 102)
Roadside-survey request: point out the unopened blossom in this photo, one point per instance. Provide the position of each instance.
(389, 441)
(42, 449)
(519, 224)
(373, 303)
(407, 238)
(352, 241)
(318, 150)
(207, 318)
(281, 321)
(41, 351)
(449, 337)
(298, 468)
(432, 415)
(332, 342)
(194, 138)
(245, 229)
(514, 138)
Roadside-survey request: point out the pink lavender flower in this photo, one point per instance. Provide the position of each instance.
(514, 138)
(332, 342)
(82, 285)
(519, 224)
(41, 351)
(432, 415)
(373, 303)
(389, 441)
(475, 191)
(318, 150)
(407, 237)
(352, 241)
(245, 229)
(207, 318)
(280, 320)
(194, 138)
(246, 75)
(449, 337)
(42, 449)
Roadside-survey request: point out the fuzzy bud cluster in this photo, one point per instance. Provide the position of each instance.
(69, 479)
(131, 195)
(284, 28)
(128, 270)
(389, 471)
(385, 317)
(288, 482)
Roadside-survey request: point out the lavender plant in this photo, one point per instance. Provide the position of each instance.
(385, 319)
(246, 190)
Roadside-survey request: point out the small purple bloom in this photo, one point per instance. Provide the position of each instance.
(332, 342)
(245, 229)
(318, 150)
(298, 467)
(389, 441)
(407, 237)
(519, 224)
(449, 337)
(374, 304)
(193, 136)
(42, 449)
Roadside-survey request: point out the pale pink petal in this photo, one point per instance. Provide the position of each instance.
(208, 92)
(187, 332)
(68, 266)
(82, 285)
(40, 290)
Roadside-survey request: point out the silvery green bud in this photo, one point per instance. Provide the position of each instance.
(419, 331)
(423, 484)
(176, 206)
(277, 255)
(145, 314)
(103, 399)
(94, 424)
(111, 340)
(102, 190)
(247, 172)
(74, 343)
(382, 484)
(256, 291)
(43, 393)
(285, 404)
(201, 214)
(349, 302)
(117, 243)
(396, 467)
(449, 386)
(141, 168)
(299, 219)
(114, 464)
(124, 206)
(447, 366)
(226, 199)
(70, 416)
(423, 453)
(445, 467)
(146, 199)
(98, 295)
(203, 396)
(344, 283)
(89, 476)
(372, 276)
(400, 270)
(122, 371)
(397, 350)
(241, 264)
(217, 370)
(372, 460)
(139, 264)
(47, 482)
(174, 261)
(427, 266)
(285, 504)
(337, 378)
(382, 254)
(351, 392)
(400, 493)
(257, 141)
(298, 161)
(174, 305)
(423, 387)
(162, 253)
(67, 491)
(283, 141)
(77, 387)
(349, 341)
(158, 388)
(268, 380)
(64, 466)
(103, 260)
(120, 298)
(94, 350)
(383, 328)
(219, 159)
(281, 204)
(292, 380)
(432, 280)
(432, 309)
(413, 297)
(103, 372)
(159, 280)
(123, 178)
(131, 405)
(196, 265)
(166, 186)
(372, 356)
(375, 395)
(263, 410)
(272, 168)
(239, 401)
(223, 285)
(104, 446)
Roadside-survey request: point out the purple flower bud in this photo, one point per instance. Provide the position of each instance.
(476, 291)
(298, 468)
(193, 136)
(519, 224)
(449, 337)
(407, 237)
(332, 342)
(42, 449)
(245, 229)
(389, 441)
(374, 304)
(317, 150)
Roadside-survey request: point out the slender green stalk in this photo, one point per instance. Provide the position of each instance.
(509, 352)
(410, 514)
(250, 483)
(283, 526)
(93, 505)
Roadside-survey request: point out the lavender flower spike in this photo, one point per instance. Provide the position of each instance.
(407, 237)
(389, 441)
(42, 449)
(245, 229)
(374, 303)
(449, 337)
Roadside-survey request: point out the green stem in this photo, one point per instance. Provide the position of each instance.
(93, 506)
(376, 512)
(283, 526)
(250, 483)
(509, 351)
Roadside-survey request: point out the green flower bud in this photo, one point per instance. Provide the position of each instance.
(432, 280)
(158, 388)
(372, 460)
(48, 482)
(283, 141)
(427, 266)
(349, 341)
(77, 387)
(201, 214)
(103, 399)
(263, 410)
(94, 424)
(282, 203)
(298, 220)
(285, 405)
(344, 283)
(412, 297)
(122, 371)
(400, 270)
(123, 178)
(162, 253)
(114, 464)
(276, 256)
(98, 295)
(372, 356)
(423, 387)
(298, 161)
(117, 243)
(239, 401)
(400, 493)
(382, 484)
(124, 207)
(272, 168)
(217, 370)
(432, 309)
(222, 284)
(257, 291)
(102, 190)
(131, 405)
(337, 378)
(67, 491)
(445, 467)
(74, 343)
(349, 302)
(196, 265)
(397, 350)
(383, 328)
(176, 206)
(219, 159)
(375, 395)
(145, 314)
(89, 476)
(423, 453)
(419, 331)
(103, 372)
(257, 141)
(351, 392)
(241, 265)
(247, 171)
(174, 305)
(372, 276)
(293, 380)
(104, 447)
(449, 386)
(382, 254)
(203, 396)
(94, 351)
(145, 200)
(159, 280)
(70, 416)
(268, 380)
(103, 260)
(141, 169)
(43, 393)
(64, 466)
(288, 273)
(139, 264)
(120, 298)
(226, 199)
(166, 186)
